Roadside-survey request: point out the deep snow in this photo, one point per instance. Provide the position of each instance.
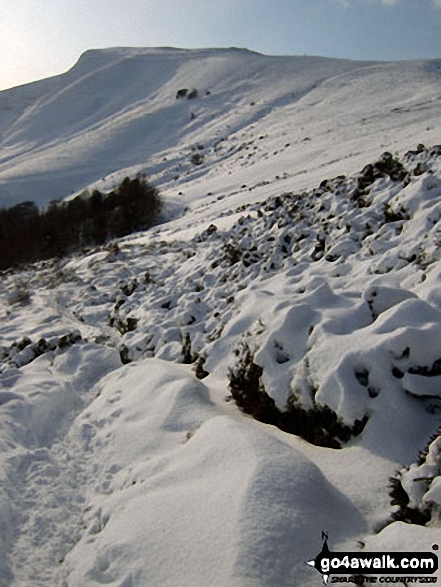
(142, 474)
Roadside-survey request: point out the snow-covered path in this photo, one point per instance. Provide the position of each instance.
(49, 498)
(47, 460)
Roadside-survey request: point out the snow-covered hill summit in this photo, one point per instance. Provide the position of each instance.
(116, 112)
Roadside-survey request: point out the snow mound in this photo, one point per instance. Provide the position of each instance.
(184, 494)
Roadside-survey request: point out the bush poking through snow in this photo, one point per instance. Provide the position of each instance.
(124, 355)
(247, 389)
(386, 166)
(416, 490)
(187, 357)
(400, 499)
(25, 351)
(319, 426)
(197, 159)
(391, 215)
(199, 368)
(232, 253)
(123, 325)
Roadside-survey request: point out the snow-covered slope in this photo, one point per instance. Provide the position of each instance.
(315, 304)
(116, 112)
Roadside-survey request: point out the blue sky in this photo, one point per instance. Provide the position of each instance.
(39, 38)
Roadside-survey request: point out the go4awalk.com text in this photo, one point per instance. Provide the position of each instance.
(376, 567)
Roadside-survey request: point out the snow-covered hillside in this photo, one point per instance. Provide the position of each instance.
(298, 280)
(254, 117)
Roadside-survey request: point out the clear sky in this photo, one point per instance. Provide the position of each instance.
(39, 38)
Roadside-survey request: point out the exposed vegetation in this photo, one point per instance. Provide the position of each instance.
(186, 93)
(413, 507)
(24, 351)
(28, 234)
(405, 513)
(319, 426)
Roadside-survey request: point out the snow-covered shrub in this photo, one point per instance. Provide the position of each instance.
(187, 356)
(123, 325)
(318, 425)
(386, 166)
(197, 159)
(62, 276)
(232, 253)
(199, 368)
(416, 490)
(24, 351)
(124, 354)
(391, 215)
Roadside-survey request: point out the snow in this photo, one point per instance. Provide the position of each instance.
(118, 465)
(116, 113)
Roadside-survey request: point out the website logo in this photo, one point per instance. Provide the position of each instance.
(360, 568)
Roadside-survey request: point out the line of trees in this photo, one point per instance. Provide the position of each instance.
(28, 234)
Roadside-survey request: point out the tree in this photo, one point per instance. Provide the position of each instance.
(28, 235)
